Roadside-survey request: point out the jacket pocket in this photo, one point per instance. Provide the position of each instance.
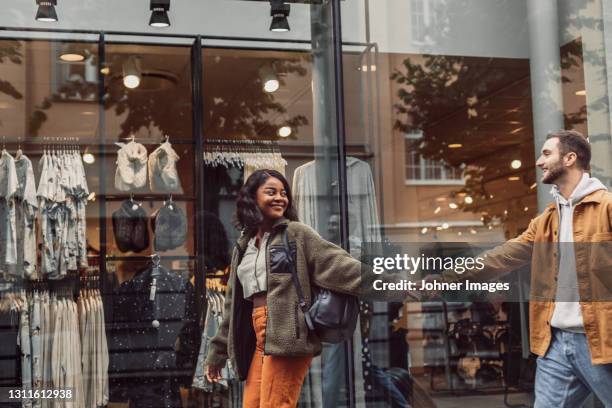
(279, 261)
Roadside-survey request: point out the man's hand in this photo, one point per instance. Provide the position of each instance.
(213, 374)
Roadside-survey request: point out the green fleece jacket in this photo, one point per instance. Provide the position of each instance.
(319, 263)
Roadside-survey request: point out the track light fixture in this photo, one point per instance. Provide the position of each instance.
(279, 10)
(46, 10)
(159, 13)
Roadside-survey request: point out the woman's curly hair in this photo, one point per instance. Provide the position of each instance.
(248, 215)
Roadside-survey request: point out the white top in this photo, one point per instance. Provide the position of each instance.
(252, 268)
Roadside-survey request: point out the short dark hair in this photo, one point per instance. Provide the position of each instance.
(573, 141)
(248, 215)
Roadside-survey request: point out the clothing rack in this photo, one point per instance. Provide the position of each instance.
(240, 142)
(241, 145)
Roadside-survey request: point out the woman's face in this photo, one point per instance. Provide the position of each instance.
(272, 199)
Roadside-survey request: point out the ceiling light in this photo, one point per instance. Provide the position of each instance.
(445, 225)
(424, 230)
(105, 70)
(534, 185)
(455, 146)
(526, 209)
(459, 233)
(72, 57)
(279, 12)
(271, 85)
(468, 200)
(516, 164)
(441, 199)
(132, 73)
(365, 68)
(473, 231)
(269, 79)
(454, 206)
(89, 158)
(514, 178)
(159, 13)
(437, 210)
(516, 130)
(284, 131)
(581, 92)
(46, 11)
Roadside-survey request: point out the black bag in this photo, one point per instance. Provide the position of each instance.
(332, 315)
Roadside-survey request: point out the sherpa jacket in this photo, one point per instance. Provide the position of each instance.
(319, 262)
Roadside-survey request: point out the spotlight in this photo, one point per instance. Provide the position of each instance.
(279, 12)
(89, 158)
(284, 131)
(159, 13)
(132, 73)
(269, 79)
(46, 10)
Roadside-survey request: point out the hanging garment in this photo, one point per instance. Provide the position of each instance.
(170, 227)
(363, 227)
(131, 172)
(213, 319)
(25, 216)
(163, 176)
(362, 206)
(257, 161)
(62, 199)
(130, 227)
(145, 334)
(8, 238)
(94, 349)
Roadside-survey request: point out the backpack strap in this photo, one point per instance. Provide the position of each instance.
(296, 282)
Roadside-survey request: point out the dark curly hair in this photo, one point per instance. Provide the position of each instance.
(248, 215)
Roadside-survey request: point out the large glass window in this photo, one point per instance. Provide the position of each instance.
(449, 104)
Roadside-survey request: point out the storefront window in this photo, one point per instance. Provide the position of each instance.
(449, 104)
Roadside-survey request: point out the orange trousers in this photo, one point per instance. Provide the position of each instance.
(272, 382)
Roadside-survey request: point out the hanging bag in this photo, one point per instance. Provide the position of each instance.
(332, 315)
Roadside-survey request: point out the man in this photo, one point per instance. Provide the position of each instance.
(569, 248)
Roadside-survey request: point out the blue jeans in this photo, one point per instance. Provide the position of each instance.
(565, 376)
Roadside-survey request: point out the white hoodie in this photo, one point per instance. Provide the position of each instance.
(567, 314)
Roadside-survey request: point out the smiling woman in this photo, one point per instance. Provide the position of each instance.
(260, 285)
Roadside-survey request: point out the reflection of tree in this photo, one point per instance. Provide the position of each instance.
(249, 112)
(10, 51)
(455, 99)
(437, 86)
(243, 114)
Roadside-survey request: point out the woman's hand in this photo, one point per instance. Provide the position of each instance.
(213, 374)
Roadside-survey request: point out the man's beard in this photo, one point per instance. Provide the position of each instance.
(554, 173)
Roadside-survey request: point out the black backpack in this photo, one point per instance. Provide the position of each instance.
(332, 315)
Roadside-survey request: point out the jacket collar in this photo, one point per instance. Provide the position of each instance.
(246, 234)
(594, 197)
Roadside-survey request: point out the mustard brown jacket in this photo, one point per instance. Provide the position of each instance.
(319, 263)
(538, 245)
